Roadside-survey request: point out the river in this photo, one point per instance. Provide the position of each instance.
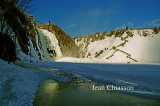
(145, 79)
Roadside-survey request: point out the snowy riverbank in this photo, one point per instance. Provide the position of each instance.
(99, 61)
(18, 85)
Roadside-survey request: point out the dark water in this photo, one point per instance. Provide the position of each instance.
(52, 93)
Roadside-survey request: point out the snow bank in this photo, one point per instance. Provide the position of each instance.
(81, 60)
(19, 85)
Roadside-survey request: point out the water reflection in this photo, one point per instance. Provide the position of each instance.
(47, 93)
(52, 93)
(50, 86)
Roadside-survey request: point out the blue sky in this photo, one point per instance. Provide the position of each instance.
(80, 17)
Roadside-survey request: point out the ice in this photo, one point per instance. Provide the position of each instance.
(142, 77)
(44, 40)
(18, 85)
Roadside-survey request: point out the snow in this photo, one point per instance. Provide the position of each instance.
(18, 85)
(22, 56)
(140, 48)
(144, 49)
(81, 60)
(99, 45)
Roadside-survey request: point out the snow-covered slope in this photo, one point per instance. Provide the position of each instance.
(123, 46)
(132, 46)
(46, 47)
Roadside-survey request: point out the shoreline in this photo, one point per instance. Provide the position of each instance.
(99, 61)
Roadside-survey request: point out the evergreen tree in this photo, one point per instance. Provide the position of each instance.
(155, 30)
(126, 27)
(49, 22)
(104, 33)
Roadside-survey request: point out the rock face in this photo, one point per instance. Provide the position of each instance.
(121, 46)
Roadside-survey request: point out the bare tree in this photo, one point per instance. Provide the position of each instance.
(13, 20)
(24, 5)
